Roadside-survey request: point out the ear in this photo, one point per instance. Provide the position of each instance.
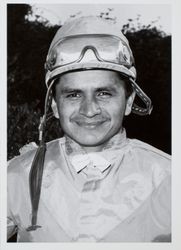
(54, 104)
(129, 103)
(55, 109)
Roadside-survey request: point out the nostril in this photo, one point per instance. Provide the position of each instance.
(90, 109)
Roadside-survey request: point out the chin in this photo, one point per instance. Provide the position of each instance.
(90, 141)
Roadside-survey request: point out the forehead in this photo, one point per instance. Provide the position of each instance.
(90, 79)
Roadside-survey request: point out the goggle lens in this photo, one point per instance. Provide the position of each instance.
(106, 48)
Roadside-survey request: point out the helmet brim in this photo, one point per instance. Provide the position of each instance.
(88, 66)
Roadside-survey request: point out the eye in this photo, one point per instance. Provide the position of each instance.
(104, 94)
(73, 95)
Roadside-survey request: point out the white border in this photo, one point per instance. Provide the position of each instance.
(3, 120)
(176, 136)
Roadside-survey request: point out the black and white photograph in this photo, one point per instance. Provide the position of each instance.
(89, 123)
(89, 126)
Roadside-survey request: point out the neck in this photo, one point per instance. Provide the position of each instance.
(114, 142)
(93, 149)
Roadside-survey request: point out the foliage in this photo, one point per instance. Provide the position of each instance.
(28, 44)
(152, 51)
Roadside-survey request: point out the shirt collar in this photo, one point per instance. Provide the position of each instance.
(94, 160)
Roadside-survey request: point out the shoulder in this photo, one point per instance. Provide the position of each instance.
(148, 151)
(150, 160)
(23, 160)
(22, 163)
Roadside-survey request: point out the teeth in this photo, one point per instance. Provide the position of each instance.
(90, 126)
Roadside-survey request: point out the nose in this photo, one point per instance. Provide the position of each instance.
(89, 108)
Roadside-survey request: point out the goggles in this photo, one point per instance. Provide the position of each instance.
(107, 48)
(69, 53)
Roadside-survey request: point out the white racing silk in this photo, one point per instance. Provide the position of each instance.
(121, 194)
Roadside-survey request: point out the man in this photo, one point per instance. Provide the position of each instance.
(93, 184)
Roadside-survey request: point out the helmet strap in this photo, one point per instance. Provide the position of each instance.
(36, 172)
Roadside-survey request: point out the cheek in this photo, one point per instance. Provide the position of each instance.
(66, 110)
(117, 114)
(117, 118)
(63, 110)
(116, 109)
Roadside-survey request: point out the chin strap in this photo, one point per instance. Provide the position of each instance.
(36, 172)
(35, 180)
(147, 101)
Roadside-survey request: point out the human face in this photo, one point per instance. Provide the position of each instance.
(91, 106)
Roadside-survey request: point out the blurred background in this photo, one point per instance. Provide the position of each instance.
(30, 31)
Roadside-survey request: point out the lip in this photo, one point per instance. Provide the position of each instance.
(90, 125)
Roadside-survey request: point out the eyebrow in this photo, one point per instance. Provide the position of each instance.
(106, 89)
(70, 90)
(96, 89)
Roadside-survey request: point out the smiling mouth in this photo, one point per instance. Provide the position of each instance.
(90, 125)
